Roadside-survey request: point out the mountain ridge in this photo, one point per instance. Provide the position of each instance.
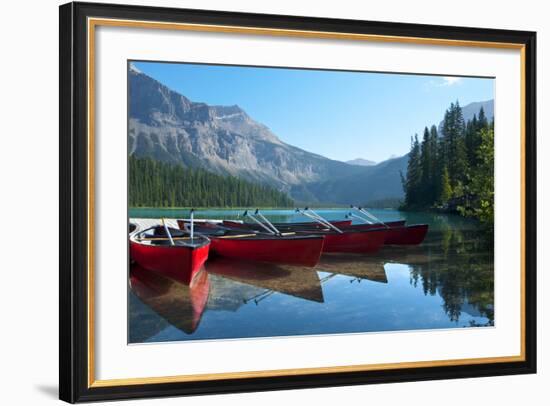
(361, 162)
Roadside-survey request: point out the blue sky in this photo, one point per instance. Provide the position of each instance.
(340, 115)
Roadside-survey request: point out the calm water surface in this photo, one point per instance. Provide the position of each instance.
(446, 282)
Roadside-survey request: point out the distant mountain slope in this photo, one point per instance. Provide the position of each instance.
(361, 162)
(167, 126)
(380, 182)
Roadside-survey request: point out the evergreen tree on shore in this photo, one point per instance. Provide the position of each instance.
(453, 141)
(158, 184)
(454, 169)
(413, 182)
(446, 191)
(435, 170)
(482, 179)
(429, 167)
(426, 181)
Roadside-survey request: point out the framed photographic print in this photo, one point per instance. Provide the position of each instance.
(255, 202)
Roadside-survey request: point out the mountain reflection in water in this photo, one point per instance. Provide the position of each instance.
(447, 282)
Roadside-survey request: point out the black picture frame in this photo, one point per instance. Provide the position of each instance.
(74, 385)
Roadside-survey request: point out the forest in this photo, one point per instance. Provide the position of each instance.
(451, 168)
(158, 184)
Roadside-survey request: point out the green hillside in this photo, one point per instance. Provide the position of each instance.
(158, 184)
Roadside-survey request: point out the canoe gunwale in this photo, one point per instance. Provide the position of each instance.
(135, 238)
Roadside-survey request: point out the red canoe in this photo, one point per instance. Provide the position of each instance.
(397, 232)
(353, 241)
(152, 250)
(291, 250)
(367, 226)
(300, 250)
(309, 225)
(407, 235)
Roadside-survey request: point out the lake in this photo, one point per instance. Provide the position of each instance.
(446, 282)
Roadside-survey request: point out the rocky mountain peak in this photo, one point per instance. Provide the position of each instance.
(167, 126)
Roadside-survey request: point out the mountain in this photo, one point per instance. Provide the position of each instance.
(166, 126)
(380, 182)
(361, 162)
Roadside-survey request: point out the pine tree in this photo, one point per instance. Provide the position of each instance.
(482, 180)
(455, 151)
(473, 138)
(434, 168)
(482, 120)
(426, 163)
(470, 141)
(413, 179)
(446, 191)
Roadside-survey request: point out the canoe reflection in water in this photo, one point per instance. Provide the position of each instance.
(360, 267)
(227, 285)
(179, 304)
(223, 285)
(300, 282)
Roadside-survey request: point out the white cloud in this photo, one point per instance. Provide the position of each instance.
(442, 81)
(450, 80)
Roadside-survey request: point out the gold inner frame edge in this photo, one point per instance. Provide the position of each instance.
(94, 22)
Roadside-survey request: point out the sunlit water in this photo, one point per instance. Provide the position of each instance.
(446, 282)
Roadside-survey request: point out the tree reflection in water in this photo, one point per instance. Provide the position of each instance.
(455, 263)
